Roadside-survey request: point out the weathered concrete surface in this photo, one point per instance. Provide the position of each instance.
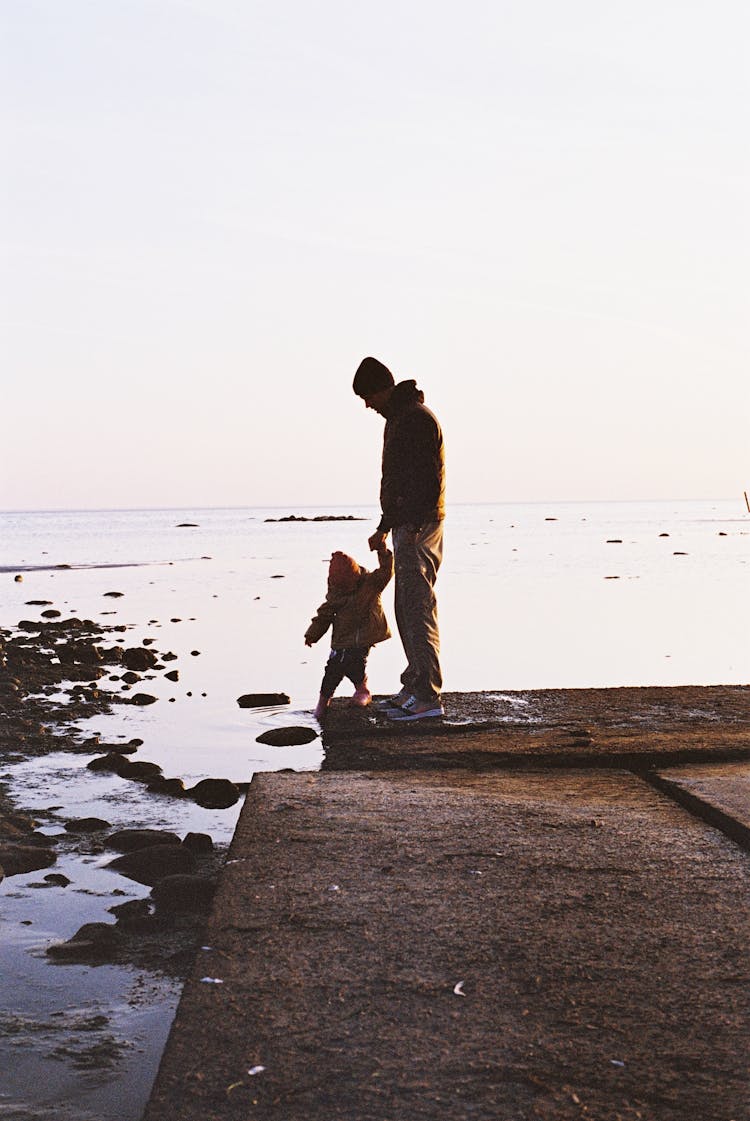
(720, 794)
(444, 944)
(558, 727)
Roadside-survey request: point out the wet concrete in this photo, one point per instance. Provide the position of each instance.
(449, 938)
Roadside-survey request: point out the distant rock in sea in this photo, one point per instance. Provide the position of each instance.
(318, 518)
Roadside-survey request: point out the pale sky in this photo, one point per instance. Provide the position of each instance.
(211, 210)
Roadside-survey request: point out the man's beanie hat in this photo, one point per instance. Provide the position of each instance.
(371, 377)
(343, 572)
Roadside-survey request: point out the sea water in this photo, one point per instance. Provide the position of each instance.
(530, 596)
(535, 595)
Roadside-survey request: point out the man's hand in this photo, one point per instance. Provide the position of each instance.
(377, 541)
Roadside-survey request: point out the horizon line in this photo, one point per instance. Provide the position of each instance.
(353, 505)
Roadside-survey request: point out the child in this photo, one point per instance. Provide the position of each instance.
(353, 606)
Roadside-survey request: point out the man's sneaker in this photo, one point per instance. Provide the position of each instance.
(396, 701)
(414, 709)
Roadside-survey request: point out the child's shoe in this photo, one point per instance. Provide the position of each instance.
(321, 708)
(362, 695)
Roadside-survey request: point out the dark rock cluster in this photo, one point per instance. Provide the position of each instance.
(317, 518)
(51, 671)
(182, 876)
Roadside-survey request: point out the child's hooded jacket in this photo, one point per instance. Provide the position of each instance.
(357, 614)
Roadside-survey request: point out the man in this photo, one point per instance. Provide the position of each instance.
(412, 500)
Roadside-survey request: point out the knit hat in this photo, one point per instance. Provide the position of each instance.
(343, 572)
(371, 377)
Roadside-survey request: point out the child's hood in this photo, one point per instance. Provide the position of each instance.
(344, 574)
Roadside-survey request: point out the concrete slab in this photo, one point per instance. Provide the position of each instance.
(643, 727)
(720, 794)
(510, 945)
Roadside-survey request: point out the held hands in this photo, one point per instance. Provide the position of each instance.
(377, 541)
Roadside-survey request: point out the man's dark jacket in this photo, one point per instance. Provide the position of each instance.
(412, 488)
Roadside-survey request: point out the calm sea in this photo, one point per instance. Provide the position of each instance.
(530, 596)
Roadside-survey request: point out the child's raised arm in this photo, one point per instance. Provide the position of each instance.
(321, 621)
(384, 571)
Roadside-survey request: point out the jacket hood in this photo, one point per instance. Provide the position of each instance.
(404, 395)
(343, 573)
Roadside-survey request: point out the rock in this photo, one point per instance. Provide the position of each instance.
(287, 737)
(38, 602)
(169, 657)
(51, 613)
(149, 865)
(18, 579)
(172, 675)
(112, 761)
(183, 893)
(198, 842)
(139, 658)
(134, 913)
(131, 677)
(86, 825)
(262, 700)
(18, 859)
(142, 699)
(172, 786)
(214, 793)
(56, 879)
(130, 840)
(195, 653)
(142, 771)
(118, 748)
(81, 653)
(94, 939)
(114, 595)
